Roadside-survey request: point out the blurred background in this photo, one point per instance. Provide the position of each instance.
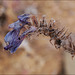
(37, 55)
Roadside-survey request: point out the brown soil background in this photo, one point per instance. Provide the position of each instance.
(37, 56)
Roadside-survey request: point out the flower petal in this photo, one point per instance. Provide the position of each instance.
(23, 17)
(15, 25)
(15, 40)
(10, 36)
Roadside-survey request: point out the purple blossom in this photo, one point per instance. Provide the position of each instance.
(14, 40)
(21, 22)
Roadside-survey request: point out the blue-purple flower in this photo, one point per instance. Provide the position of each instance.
(12, 38)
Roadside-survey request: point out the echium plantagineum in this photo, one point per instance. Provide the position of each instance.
(13, 39)
(61, 38)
